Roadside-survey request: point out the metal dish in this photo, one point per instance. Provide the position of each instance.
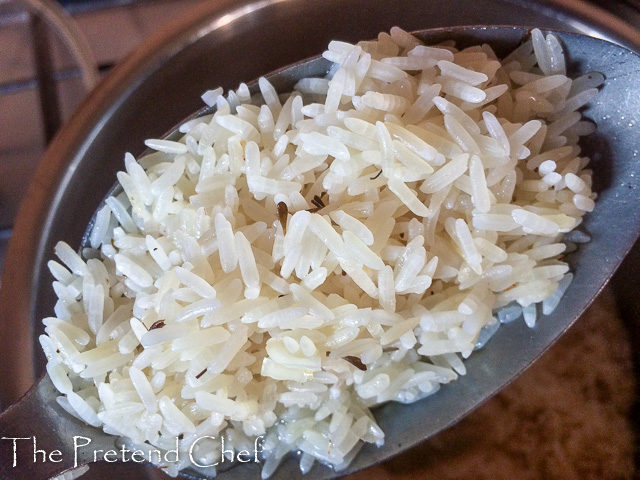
(81, 163)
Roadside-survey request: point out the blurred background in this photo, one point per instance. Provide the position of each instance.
(50, 55)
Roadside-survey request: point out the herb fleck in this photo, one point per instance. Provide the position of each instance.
(283, 211)
(356, 362)
(157, 324)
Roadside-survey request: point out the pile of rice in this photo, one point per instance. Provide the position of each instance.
(293, 261)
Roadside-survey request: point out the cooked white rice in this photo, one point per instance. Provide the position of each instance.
(293, 261)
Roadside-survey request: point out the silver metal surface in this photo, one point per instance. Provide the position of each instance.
(156, 88)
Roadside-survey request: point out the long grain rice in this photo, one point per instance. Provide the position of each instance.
(287, 265)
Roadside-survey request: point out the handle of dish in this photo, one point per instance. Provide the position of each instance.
(39, 440)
